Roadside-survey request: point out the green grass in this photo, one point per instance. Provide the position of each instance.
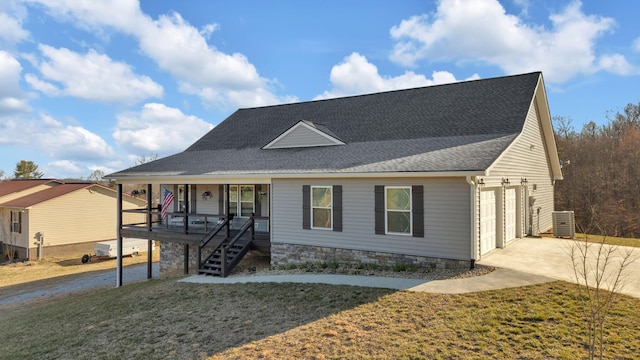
(165, 319)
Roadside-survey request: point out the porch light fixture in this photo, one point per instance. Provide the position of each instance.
(524, 181)
(505, 181)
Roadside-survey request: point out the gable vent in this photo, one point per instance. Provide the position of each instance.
(304, 134)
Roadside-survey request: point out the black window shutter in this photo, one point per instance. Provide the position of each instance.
(221, 199)
(20, 222)
(337, 207)
(306, 206)
(379, 209)
(256, 201)
(417, 202)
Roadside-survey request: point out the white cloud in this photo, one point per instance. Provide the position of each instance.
(636, 45)
(12, 98)
(62, 141)
(54, 138)
(219, 79)
(63, 169)
(158, 129)
(356, 75)
(91, 76)
(11, 30)
(481, 30)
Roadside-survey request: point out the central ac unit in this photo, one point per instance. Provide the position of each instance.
(564, 224)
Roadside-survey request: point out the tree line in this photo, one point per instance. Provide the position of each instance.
(601, 168)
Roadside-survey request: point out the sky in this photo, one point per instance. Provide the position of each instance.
(91, 85)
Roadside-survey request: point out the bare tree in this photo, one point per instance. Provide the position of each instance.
(146, 158)
(7, 237)
(96, 175)
(601, 271)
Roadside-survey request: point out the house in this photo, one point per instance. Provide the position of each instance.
(437, 176)
(67, 218)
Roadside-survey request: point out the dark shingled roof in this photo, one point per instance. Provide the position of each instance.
(461, 126)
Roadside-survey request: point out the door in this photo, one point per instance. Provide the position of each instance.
(510, 214)
(487, 221)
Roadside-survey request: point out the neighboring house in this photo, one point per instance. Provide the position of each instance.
(68, 217)
(438, 176)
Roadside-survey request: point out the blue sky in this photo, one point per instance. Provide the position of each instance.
(95, 85)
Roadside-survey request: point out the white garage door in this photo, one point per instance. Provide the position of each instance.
(487, 221)
(510, 214)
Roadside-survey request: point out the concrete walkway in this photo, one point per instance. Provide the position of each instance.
(523, 262)
(550, 257)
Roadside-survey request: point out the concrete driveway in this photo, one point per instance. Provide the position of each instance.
(550, 257)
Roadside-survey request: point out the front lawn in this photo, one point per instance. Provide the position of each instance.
(166, 319)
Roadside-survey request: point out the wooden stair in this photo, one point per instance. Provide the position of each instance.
(224, 253)
(217, 262)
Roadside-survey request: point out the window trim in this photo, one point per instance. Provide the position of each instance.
(16, 214)
(330, 207)
(410, 211)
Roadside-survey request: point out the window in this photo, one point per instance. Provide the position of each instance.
(398, 210)
(16, 221)
(321, 207)
(241, 200)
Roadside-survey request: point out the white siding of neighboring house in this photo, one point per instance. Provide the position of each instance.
(527, 158)
(446, 217)
(85, 215)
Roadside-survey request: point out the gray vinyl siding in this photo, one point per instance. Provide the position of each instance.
(301, 137)
(446, 217)
(527, 158)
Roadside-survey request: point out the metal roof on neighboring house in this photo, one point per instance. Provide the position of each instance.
(457, 127)
(13, 186)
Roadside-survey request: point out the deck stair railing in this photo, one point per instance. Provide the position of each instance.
(227, 252)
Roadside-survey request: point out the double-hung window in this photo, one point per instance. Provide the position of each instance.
(16, 221)
(398, 218)
(399, 210)
(321, 207)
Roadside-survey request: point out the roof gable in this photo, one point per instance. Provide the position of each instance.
(304, 134)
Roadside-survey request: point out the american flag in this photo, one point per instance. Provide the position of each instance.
(167, 200)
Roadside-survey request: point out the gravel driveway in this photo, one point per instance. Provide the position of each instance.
(107, 278)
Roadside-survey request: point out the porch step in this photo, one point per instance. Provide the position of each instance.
(213, 266)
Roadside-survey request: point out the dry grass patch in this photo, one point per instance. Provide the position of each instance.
(609, 240)
(165, 319)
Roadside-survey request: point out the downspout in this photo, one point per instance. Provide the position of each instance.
(472, 210)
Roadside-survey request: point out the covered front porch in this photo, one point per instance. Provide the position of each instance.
(219, 222)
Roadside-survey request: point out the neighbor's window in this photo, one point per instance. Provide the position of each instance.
(16, 221)
(321, 207)
(398, 210)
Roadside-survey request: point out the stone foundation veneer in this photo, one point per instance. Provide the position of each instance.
(172, 258)
(283, 254)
